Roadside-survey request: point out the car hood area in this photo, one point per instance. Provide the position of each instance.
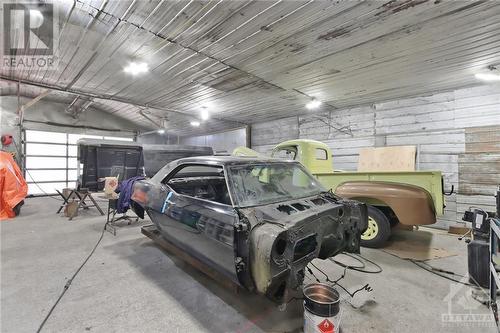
(284, 237)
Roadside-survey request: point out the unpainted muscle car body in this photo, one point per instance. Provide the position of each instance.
(257, 221)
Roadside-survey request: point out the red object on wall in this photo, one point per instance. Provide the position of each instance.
(7, 139)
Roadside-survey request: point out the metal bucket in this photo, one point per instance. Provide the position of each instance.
(321, 309)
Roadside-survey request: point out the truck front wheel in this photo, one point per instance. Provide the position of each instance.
(378, 231)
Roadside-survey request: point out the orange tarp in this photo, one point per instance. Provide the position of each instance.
(13, 187)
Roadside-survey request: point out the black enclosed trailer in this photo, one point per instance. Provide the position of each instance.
(157, 156)
(107, 158)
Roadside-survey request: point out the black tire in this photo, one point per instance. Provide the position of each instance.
(382, 230)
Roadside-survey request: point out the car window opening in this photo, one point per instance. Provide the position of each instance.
(201, 182)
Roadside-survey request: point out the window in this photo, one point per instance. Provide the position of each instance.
(115, 138)
(287, 153)
(51, 161)
(266, 183)
(73, 138)
(321, 154)
(202, 182)
(199, 171)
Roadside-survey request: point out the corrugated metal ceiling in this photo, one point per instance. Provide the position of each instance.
(252, 61)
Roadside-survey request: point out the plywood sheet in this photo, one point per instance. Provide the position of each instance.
(397, 158)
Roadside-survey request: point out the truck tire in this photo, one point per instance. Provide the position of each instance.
(378, 231)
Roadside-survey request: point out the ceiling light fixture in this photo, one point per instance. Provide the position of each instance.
(204, 114)
(161, 131)
(195, 123)
(135, 68)
(314, 104)
(488, 77)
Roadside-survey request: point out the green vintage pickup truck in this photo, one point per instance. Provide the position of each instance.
(408, 198)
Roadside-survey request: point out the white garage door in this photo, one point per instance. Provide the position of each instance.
(51, 160)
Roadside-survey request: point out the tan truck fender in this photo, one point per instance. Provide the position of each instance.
(411, 204)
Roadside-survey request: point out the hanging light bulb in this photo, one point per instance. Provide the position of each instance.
(205, 115)
(314, 104)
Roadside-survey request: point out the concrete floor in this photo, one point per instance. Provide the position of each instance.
(130, 285)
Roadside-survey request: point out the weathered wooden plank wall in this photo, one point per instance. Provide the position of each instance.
(445, 126)
(479, 168)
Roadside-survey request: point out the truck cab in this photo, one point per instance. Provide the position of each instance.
(316, 156)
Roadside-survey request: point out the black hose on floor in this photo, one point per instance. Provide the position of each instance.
(360, 268)
(68, 283)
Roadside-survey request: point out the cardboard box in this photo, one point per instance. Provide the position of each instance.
(110, 185)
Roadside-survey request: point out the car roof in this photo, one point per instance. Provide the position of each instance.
(231, 160)
(215, 160)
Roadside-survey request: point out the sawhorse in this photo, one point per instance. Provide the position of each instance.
(82, 194)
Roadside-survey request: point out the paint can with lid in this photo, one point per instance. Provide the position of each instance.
(322, 312)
